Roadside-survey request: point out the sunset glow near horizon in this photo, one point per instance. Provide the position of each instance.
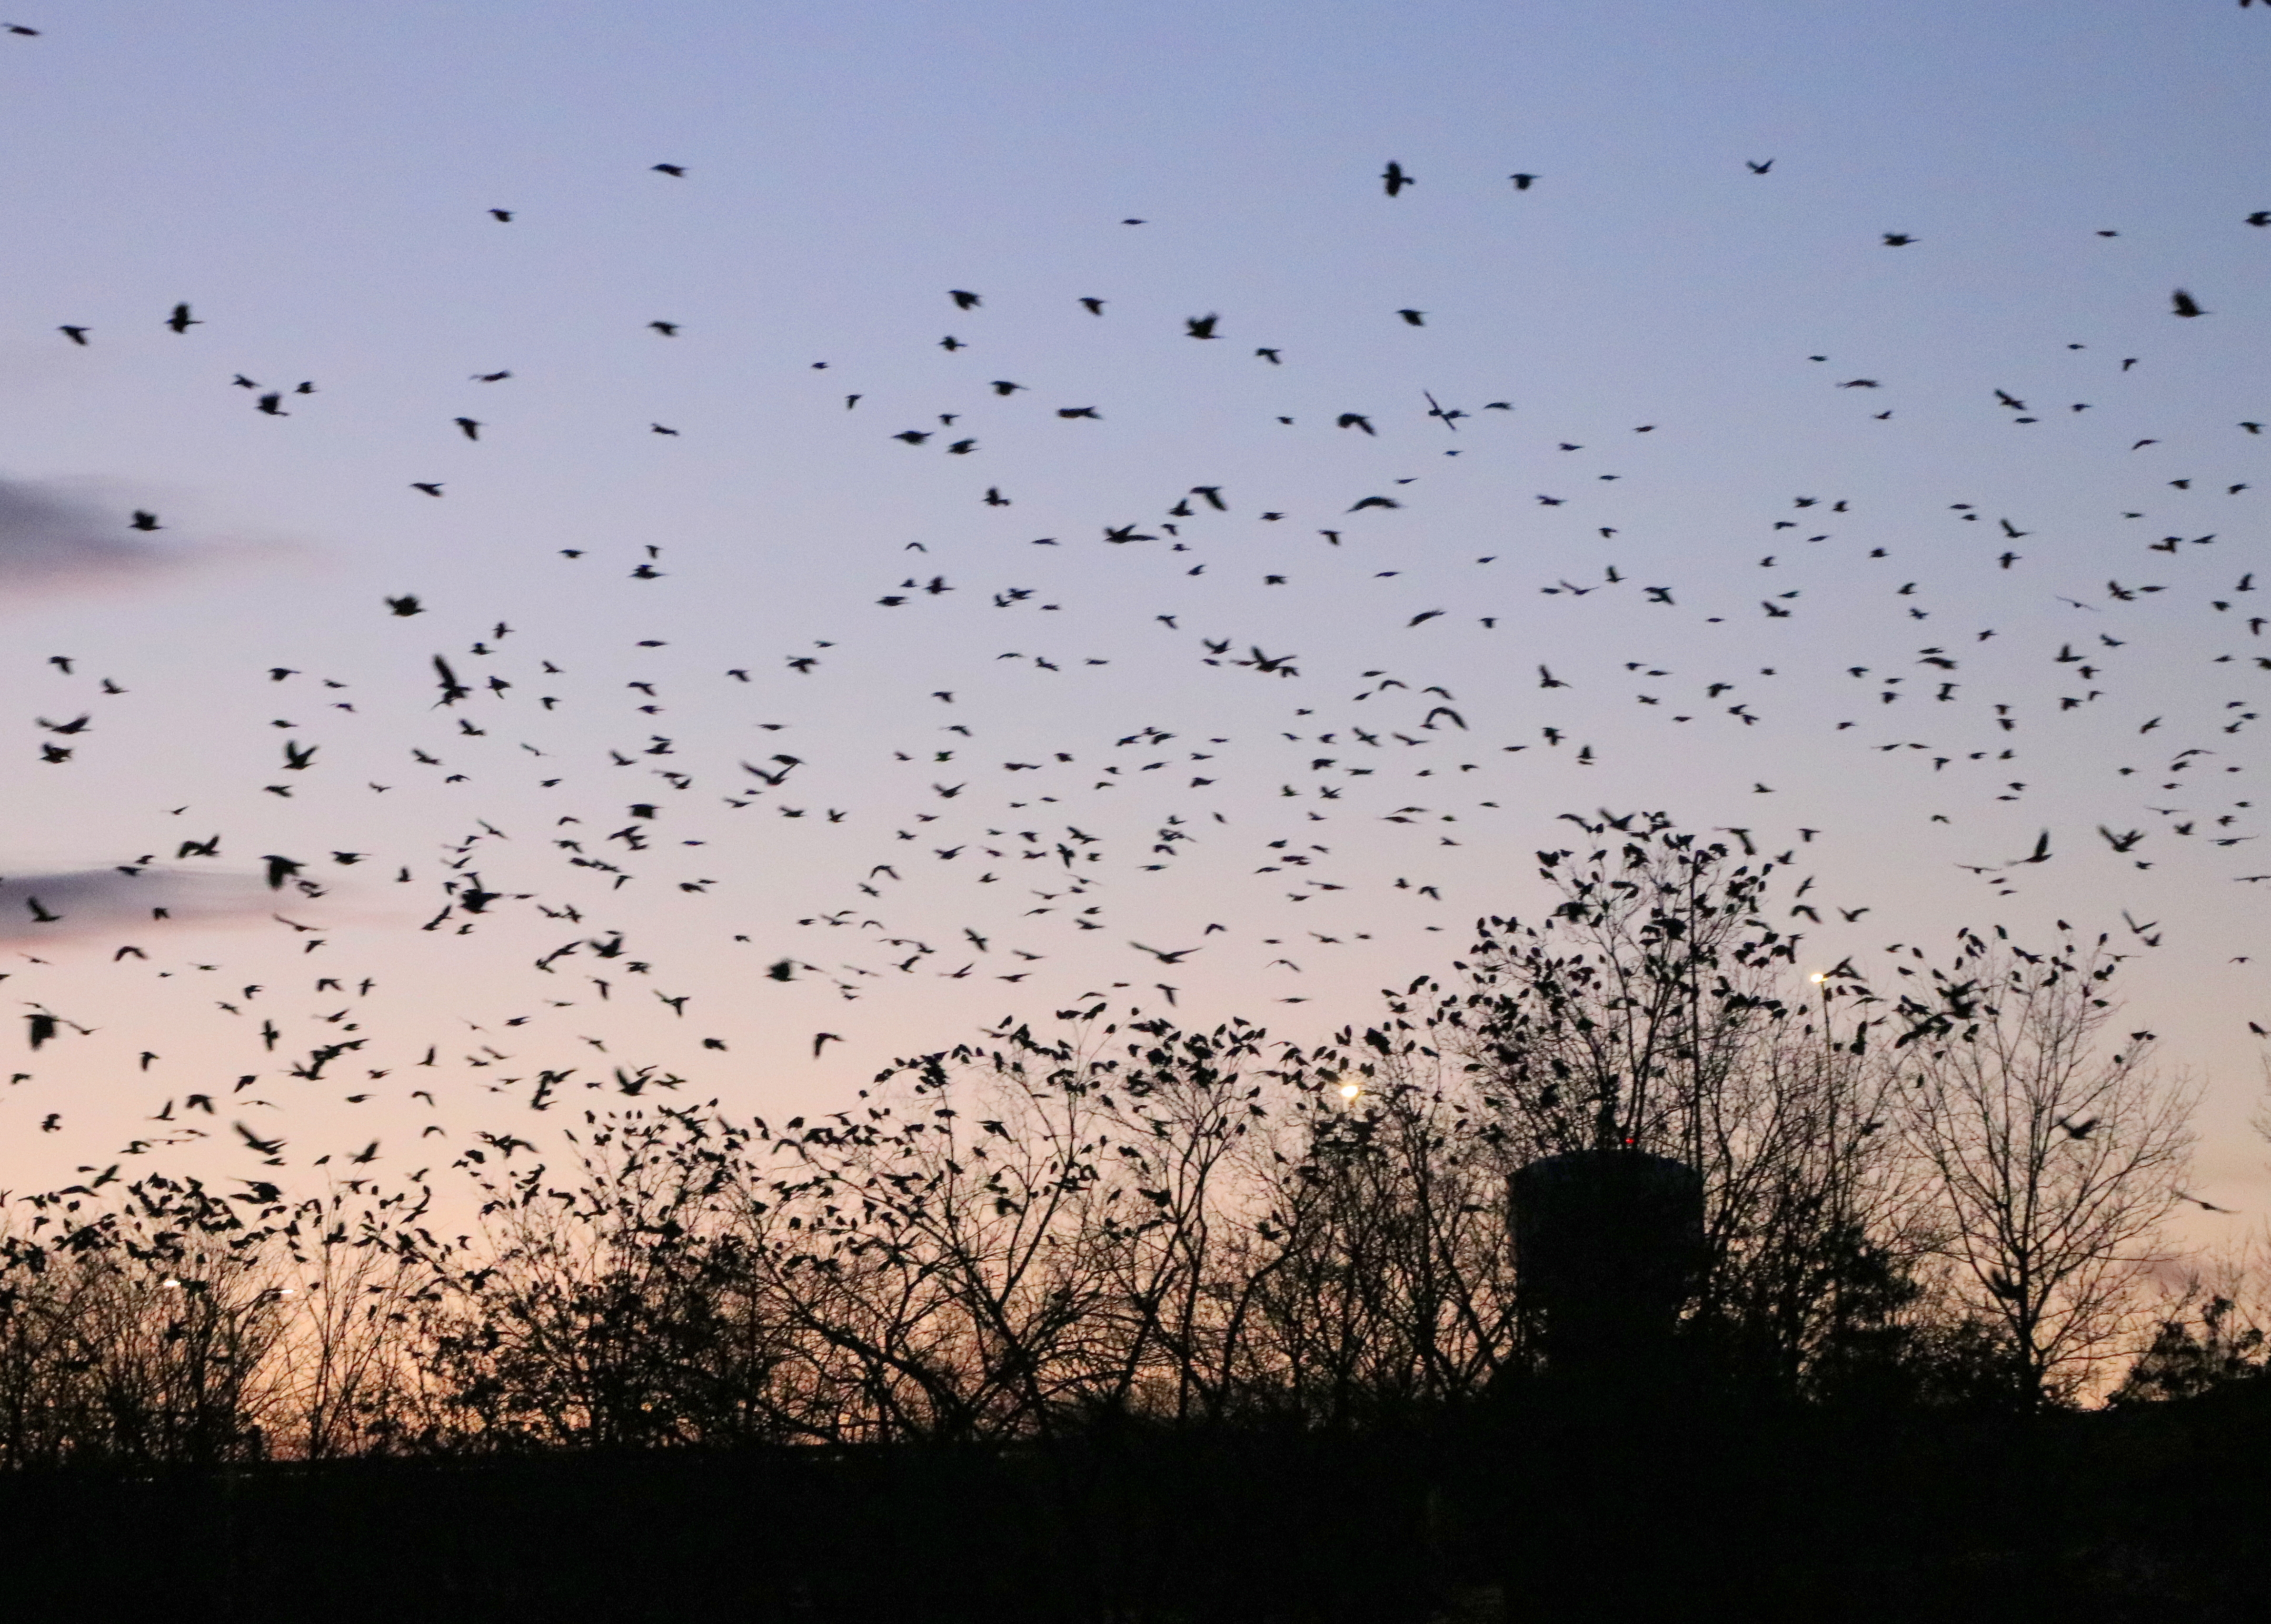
(1726, 462)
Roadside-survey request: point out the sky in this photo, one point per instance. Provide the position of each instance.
(1730, 462)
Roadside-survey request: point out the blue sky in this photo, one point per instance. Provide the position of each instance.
(315, 182)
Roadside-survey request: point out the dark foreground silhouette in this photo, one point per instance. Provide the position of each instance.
(1607, 1505)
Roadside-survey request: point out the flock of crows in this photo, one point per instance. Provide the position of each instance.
(1040, 864)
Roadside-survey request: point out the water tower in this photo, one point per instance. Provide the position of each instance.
(1607, 1245)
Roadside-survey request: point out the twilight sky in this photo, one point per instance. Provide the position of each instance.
(1752, 465)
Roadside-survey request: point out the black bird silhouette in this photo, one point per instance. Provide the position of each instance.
(1758, 168)
(182, 320)
(1415, 317)
(145, 520)
(1201, 326)
(471, 429)
(453, 690)
(676, 169)
(266, 1147)
(2183, 304)
(501, 214)
(1522, 183)
(964, 300)
(1897, 239)
(1394, 180)
(77, 335)
(1174, 956)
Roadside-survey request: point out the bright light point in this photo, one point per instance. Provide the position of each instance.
(1817, 977)
(1349, 1091)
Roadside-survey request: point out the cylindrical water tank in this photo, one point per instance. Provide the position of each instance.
(1607, 1243)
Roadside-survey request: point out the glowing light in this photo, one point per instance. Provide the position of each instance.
(1349, 1091)
(1817, 977)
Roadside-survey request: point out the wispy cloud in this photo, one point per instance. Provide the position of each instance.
(51, 539)
(75, 903)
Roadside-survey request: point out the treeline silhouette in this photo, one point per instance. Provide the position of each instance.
(1127, 1321)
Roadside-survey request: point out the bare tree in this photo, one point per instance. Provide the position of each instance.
(1176, 1199)
(2206, 1337)
(1009, 1235)
(343, 1361)
(931, 1248)
(621, 1311)
(2054, 1150)
(1612, 1023)
(1658, 1007)
(1813, 1224)
(142, 1333)
(1387, 1277)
